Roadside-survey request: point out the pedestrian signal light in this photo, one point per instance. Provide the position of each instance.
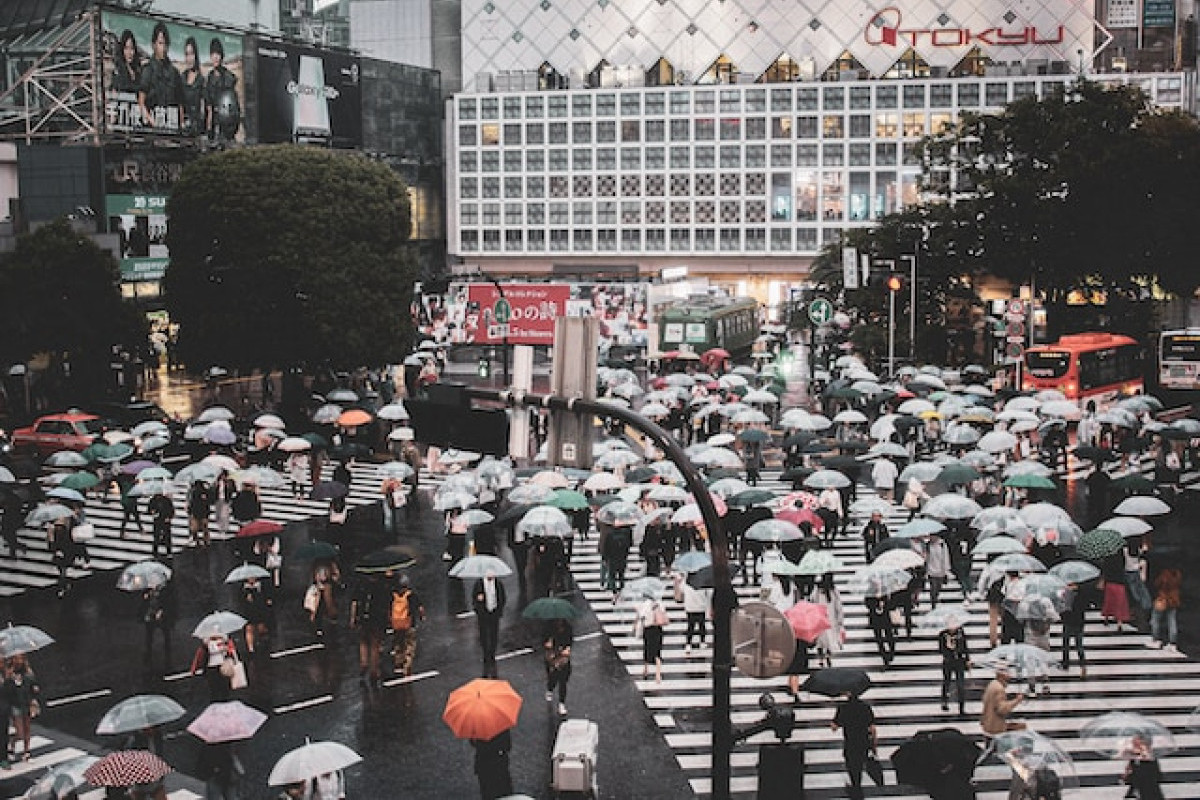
(485, 367)
(894, 284)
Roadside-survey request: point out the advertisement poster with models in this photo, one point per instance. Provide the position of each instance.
(308, 95)
(171, 79)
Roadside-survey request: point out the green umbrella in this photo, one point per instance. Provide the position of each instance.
(750, 497)
(1028, 481)
(844, 393)
(107, 453)
(550, 608)
(315, 550)
(1133, 484)
(79, 481)
(957, 474)
(818, 562)
(567, 500)
(316, 440)
(1099, 544)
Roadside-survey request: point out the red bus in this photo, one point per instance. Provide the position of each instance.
(1097, 367)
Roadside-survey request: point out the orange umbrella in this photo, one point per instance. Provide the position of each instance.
(353, 418)
(482, 709)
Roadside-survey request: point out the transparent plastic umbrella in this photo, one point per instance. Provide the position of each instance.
(998, 545)
(139, 712)
(475, 567)
(1142, 506)
(872, 581)
(454, 500)
(530, 494)
(826, 479)
(774, 530)
(545, 521)
(1075, 571)
(218, 623)
(818, 562)
(619, 514)
(16, 640)
(143, 575)
(951, 506)
(899, 559)
(62, 780)
(1024, 660)
(944, 617)
(644, 588)
(1032, 756)
(1113, 734)
(918, 528)
(311, 760)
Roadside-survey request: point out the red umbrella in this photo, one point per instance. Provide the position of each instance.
(259, 527)
(808, 620)
(127, 768)
(801, 500)
(716, 354)
(798, 515)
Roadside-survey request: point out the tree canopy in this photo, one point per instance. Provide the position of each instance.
(288, 255)
(60, 294)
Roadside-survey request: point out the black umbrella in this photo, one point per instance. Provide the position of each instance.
(316, 550)
(24, 468)
(601, 500)
(893, 543)
(511, 515)
(328, 490)
(836, 681)
(1096, 454)
(722, 472)
(904, 423)
(816, 447)
(348, 451)
(703, 578)
(929, 756)
(799, 439)
(848, 464)
(389, 558)
(796, 474)
(857, 445)
(640, 475)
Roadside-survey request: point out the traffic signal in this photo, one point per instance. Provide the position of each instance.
(895, 283)
(485, 367)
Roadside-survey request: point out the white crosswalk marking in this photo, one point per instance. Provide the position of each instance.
(1122, 675)
(33, 568)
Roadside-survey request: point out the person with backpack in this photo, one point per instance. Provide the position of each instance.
(406, 612)
(370, 616)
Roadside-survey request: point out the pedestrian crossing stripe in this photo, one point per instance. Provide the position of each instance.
(1122, 675)
(33, 568)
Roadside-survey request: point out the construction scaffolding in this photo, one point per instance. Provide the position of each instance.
(53, 84)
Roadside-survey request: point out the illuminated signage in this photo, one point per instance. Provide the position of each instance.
(886, 28)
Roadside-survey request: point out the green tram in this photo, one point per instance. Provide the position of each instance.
(702, 323)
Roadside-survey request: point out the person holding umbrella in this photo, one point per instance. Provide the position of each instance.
(246, 505)
(326, 576)
(651, 619)
(857, 723)
(882, 629)
(952, 644)
(557, 658)
(129, 504)
(406, 611)
(937, 567)
(1142, 773)
(484, 711)
(257, 604)
(210, 659)
(488, 599)
(833, 640)
(223, 492)
(162, 512)
(158, 612)
(874, 532)
(22, 695)
(199, 504)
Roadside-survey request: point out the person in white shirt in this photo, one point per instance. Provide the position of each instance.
(883, 476)
(696, 606)
(829, 507)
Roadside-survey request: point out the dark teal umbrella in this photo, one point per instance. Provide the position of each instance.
(550, 608)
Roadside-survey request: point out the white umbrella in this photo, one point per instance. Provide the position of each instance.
(951, 506)
(310, 761)
(269, 421)
(294, 444)
(475, 567)
(850, 416)
(1127, 526)
(393, 412)
(997, 442)
(221, 462)
(1061, 409)
(916, 406)
(1142, 506)
(1022, 403)
(750, 417)
(1017, 415)
(219, 623)
(826, 479)
(602, 482)
(655, 410)
(960, 435)
(215, 413)
(721, 440)
(760, 397)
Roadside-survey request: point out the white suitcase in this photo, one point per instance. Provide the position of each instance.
(574, 757)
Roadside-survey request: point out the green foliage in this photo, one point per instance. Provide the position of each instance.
(60, 294)
(289, 255)
(1086, 186)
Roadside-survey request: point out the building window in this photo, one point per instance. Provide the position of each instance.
(705, 102)
(705, 157)
(756, 240)
(468, 188)
(558, 133)
(781, 127)
(606, 240)
(582, 132)
(606, 213)
(781, 239)
(806, 196)
(489, 161)
(781, 99)
(655, 130)
(655, 158)
(731, 100)
(534, 107)
(833, 126)
(781, 197)
(631, 186)
(806, 127)
(860, 97)
(656, 212)
(705, 129)
(705, 240)
(756, 155)
(756, 184)
(631, 213)
(885, 96)
(489, 134)
(558, 159)
(833, 98)
(535, 241)
(582, 214)
(680, 130)
(560, 240)
(807, 155)
(535, 187)
(860, 154)
(680, 185)
(491, 213)
(535, 133)
(512, 161)
(513, 240)
(535, 160)
(631, 104)
(781, 155)
(656, 240)
(466, 109)
(832, 192)
(631, 158)
(606, 158)
(885, 154)
(654, 103)
(491, 241)
(681, 212)
(583, 240)
(731, 129)
(860, 126)
(469, 214)
(467, 161)
(582, 159)
(681, 157)
(731, 184)
(631, 130)
(914, 125)
(606, 185)
(581, 186)
(489, 108)
(467, 136)
(968, 94)
(631, 240)
(731, 212)
(581, 105)
(940, 95)
(606, 105)
(756, 100)
(914, 95)
(731, 156)
(470, 241)
(681, 240)
(655, 186)
(558, 186)
(606, 132)
(860, 194)
(941, 122)
(756, 211)
(536, 213)
(559, 213)
(886, 126)
(833, 154)
(806, 240)
(731, 240)
(996, 94)
(1023, 89)
(806, 99)
(681, 103)
(706, 212)
(705, 184)
(512, 108)
(558, 106)
(512, 134)
(512, 187)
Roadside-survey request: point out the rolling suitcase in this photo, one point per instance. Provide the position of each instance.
(573, 771)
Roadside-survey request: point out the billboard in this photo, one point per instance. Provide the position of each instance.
(167, 78)
(308, 95)
(136, 185)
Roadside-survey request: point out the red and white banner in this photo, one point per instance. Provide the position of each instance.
(534, 307)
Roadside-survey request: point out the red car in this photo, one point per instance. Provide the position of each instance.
(72, 430)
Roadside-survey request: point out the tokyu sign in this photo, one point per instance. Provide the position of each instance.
(887, 28)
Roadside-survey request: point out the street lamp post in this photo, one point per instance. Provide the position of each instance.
(893, 285)
(912, 306)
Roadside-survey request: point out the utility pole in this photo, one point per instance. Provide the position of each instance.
(912, 307)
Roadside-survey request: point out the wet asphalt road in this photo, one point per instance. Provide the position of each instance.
(310, 687)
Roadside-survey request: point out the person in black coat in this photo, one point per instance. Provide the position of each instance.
(491, 766)
(881, 628)
(874, 532)
(159, 608)
(488, 598)
(162, 512)
(952, 644)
